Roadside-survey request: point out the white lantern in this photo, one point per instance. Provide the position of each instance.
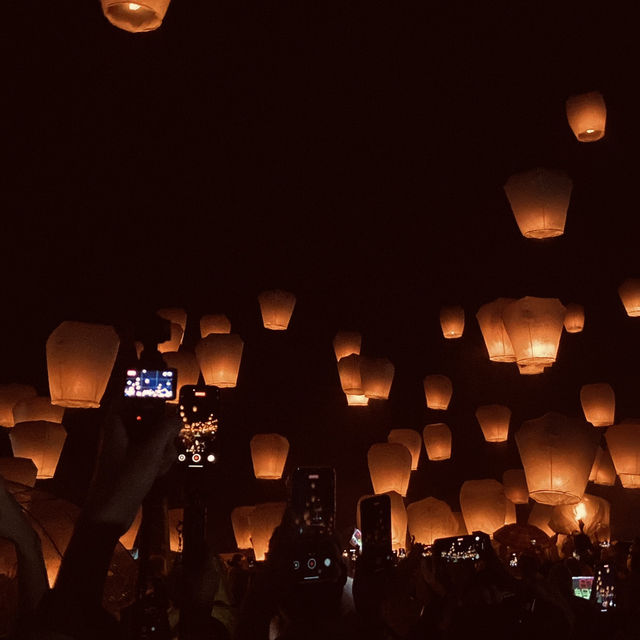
(540, 515)
(494, 421)
(377, 376)
(410, 439)
(452, 322)
(263, 520)
(430, 519)
(629, 292)
(603, 471)
(175, 340)
(37, 408)
(495, 335)
(40, 441)
(623, 442)
(241, 526)
(135, 17)
(515, 486)
(349, 372)
(187, 366)
(574, 318)
(437, 441)
(438, 391)
(10, 396)
(219, 356)
(269, 453)
(356, 400)
(276, 307)
(389, 467)
(484, 505)
(345, 343)
(587, 116)
(214, 323)
(598, 403)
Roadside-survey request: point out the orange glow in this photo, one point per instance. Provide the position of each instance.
(134, 7)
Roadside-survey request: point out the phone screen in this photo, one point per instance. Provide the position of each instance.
(199, 409)
(151, 384)
(582, 586)
(313, 499)
(460, 548)
(604, 588)
(375, 518)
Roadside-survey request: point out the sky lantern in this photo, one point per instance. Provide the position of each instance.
(539, 199)
(20, 470)
(398, 519)
(174, 341)
(623, 442)
(461, 529)
(10, 396)
(557, 454)
(188, 369)
(389, 467)
(587, 116)
(176, 524)
(452, 321)
(410, 439)
(534, 326)
(598, 403)
(495, 336)
(269, 453)
(347, 342)
(540, 515)
(135, 17)
(515, 486)
(80, 357)
(214, 323)
(593, 511)
(174, 315)
(530, 369)
(219, 356)
(263, 520)
(603, 471)
(430, 519)
(37, 408)
(494, 421)
(276, 307)
(484, 505)
(438, 391)
(241, 526)
(349, 372)
(510, 516)
(377, 376)
(574, 318)
(437, 441)
(128, 539)
(357, 400)
(629, 292)
(40, 441)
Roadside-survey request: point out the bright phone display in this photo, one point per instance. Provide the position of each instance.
(199, 408)
(582, 586)
(313, 498)
(604, 588)
(151, 384)
(461, 548)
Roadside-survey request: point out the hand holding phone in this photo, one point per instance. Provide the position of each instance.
(199, 408)
(375, 518)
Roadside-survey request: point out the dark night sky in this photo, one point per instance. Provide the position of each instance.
(353, 153)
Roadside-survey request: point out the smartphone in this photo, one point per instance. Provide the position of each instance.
(581, 586)
(603, 590)
(199, 408)
(151, 384)
(375, 519)
(461, 548)
(313, 499)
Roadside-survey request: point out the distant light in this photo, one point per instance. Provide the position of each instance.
(134, 7)
(211, 458)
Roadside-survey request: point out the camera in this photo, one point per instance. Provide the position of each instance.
(199, 408)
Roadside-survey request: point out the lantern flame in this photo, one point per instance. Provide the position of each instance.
(134, 7)
(580, 511)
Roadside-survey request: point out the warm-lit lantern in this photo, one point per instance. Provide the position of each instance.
(461, 529)
(623, 442)
(174, 315)
(176, 523)
(540, 515)
(574, 318)
(10, 396)
(437, 441)
(515, 486)
(530, 369)
(269, 453)
(20, 470)
(495, 335)
(276, 307)
(376, 375)
(135, 17)
(349, 372)
(557, 454)
(128, 539)
(452, 321)
(598, 403)
(430, 519)
(629, 292)
(494, 421)
(80, 357)
(410, 439)
(219, 356)
(603, 471)
(42, 442)
(539, 199)
(347, 342)
(139, 347)
(357, 400)
(241, 526)
(483, 504)
(510, 516)
(263, 520)
(174, 342)
(186, 364)
(438, 391)
(534, 326)
(37, 408)
(214, 323)
(587, 116)
(592, 511)
(398, 519)
(389, 467)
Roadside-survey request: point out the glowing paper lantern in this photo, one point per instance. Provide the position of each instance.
(629, 292)
(175, 316)
(389, 467)
(349, 372)
(377, 376)
(530, 369)
(593, 511)
(37, 408)
(263, 520)
(347, 342)
(186, 364)
(176, 523)
(174, 342)
(135, 17)
(539, 516)
(437, 441)
(10, 396)
(539, 199)
(398, 519)
(483, 504)
(20, 470)
(452, 322)
(623, 442)
(214, 323)
(40, 441)
(495, 335)
(534, 326)
(438, 391)
(276, 307)
(598, 403)
(515, 486)
(557, 454)
(494, 421)
(461, 526)
(219, 356)
(574, 318)
(357, 401)
(269, 453)
(241, 526)
(410, 439)
(510, 516)
(603, 471)
(80, 357)
(587, 116)
(128, 539)
(430, 519)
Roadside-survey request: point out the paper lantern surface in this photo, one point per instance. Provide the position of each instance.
(128, 539)
(540, 515)
(241, 526)
(349, 372)
(598, 403)
(539, 199)
(174, 342)
(174, 315)
(603, 471)
(494, 333)
(10, 396)
(19, 470)
(437, 441)
(623, 442)
(438, 391)
(188, 369)
(276, 307)
(80, 357)
(214, 323)
(40, 441)
(629, 292)
(37, 408)
(515, 486)
(263, 520)
(219, 357)
(357, 400)
(461, 526)
(452, 322)
(593, 511)
(410, 439)
(135, 17)
(430, 519)
(389, 467)
(347, 342)
(557, 454)
(587, 116)
(574, 318)
(377, 376)
(269, 453)
(530, 369)
(494, 421)
(483, 504)
(398, 519)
